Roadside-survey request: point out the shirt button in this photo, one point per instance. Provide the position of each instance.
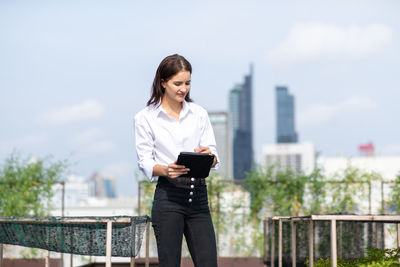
(192, 179)
(191, 193)
(190, 200)
(192, 186)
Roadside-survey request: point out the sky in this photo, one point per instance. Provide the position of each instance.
(73, 74)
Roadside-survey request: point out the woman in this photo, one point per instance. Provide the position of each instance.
(171, 123)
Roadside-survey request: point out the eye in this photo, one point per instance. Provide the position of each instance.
(177, 83)
(188, 83)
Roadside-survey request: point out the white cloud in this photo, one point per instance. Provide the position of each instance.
(92, 141)
(315, 41)
(90, 109)
(323, 112)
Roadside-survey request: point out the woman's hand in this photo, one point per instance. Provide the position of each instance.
(174, 170)
(207, 150)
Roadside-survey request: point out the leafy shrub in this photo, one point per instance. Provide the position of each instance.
(375, 258)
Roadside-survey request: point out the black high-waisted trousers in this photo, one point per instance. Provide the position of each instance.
(180, 207)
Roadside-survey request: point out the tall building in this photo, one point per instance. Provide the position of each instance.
(234, 110)
(102, 186)
(285, 119)
(299, 158)
(220, 122)
(240, 107)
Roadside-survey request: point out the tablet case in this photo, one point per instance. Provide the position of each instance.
(198, 163)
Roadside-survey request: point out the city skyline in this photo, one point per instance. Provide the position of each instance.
(74, 74)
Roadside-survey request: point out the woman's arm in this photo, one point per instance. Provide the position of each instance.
(172, 170)
(144, 145)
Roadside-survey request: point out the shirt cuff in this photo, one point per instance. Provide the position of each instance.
(215, 153)
(147, 168)
(216, 165)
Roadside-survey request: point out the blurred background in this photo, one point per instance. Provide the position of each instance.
(74, 73)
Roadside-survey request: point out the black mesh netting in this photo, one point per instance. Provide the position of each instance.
(353, 238)
(57, 234)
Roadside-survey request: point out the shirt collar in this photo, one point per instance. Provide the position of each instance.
(158, 109)
(184, 111)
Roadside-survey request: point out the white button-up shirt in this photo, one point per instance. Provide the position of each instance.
(160, 138)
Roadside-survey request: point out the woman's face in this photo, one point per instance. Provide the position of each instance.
(177, 87)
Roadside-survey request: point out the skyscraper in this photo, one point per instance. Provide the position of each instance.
(240, 106)
(102, 186)
(285, 119)
(220, 122)
(295, 157)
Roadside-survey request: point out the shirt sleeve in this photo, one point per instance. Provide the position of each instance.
(144, 146)
(208, 139)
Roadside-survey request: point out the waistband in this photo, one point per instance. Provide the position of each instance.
(183, 182)
(183, 191)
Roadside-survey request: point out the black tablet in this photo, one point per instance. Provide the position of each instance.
(198, 163)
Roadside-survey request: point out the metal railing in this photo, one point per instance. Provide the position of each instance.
(107, 221)
(333, 219)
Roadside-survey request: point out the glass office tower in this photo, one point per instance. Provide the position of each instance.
(285, 120)
(240, 107)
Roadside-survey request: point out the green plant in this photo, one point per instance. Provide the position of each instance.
(284, 193)
(146, 196)
(26, 187)
(215, 188)
(316, 188)
(26, 184)
(345, 189)
(394, 202)
(375, 258)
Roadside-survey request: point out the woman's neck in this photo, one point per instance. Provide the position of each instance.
(173, 108)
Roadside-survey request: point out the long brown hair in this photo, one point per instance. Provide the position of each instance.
(168, 67)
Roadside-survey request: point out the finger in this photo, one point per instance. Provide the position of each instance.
(179, 171)
(175, 174)
(201, 149)
(182, 171)
(176, 166)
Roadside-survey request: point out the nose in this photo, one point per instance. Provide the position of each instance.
(185, 88)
